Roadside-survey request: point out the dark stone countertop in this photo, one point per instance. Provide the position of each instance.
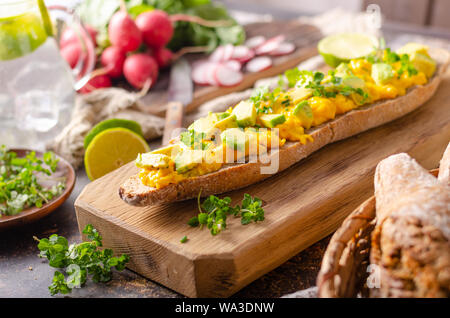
(24, 274)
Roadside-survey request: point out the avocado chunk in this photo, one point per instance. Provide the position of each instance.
(204, 124)
(223, 115)
(423, 63)
(343, 70)
(152, 160)
(245, 113)
(353, 81)
(235, 138)
(227, 122)
(272, 120)
(210, 125)
(299, 94)
(187, 160)
(381, 73)
(303, 111)
(411, 48)
(170, 150)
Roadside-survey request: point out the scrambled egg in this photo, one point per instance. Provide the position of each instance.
(321, 109)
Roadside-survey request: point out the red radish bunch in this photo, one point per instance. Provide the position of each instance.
(156, 28)
(139, 69)
(70, 36)
(138, 51)
(223, 68)
(112, 59)
(72, 51)
(99, 81)
(123, 32)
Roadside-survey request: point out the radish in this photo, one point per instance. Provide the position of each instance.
(226, 76)
(140, 68)
(123, 32)
(255, 41)
(71, 53)
(270, 45)
(99, 81)
(200, 70)
(233, 64)
(228, 52)
(242, 54)
(163, 56)
(283, 49)
(259, 64)
(69, 36)
(112, 59)
(156, 27)
(218, 54)
(210, 76)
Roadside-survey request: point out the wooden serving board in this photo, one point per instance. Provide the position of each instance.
(305, 38)
(302, 205)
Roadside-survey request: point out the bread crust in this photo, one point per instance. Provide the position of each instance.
(235, 176)
(411, 240)
(444, 167)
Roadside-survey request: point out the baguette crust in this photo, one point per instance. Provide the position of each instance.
(235, 176)
(411, 240)
(444, 167)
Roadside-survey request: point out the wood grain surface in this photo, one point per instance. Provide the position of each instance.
(303, 204)
(305, 38)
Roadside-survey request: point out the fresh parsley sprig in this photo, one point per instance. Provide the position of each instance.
(79, 260)
(213, 212)
(19, 187)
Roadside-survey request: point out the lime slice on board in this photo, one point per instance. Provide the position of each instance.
(343, 47)
(111, 149)
(112, 123)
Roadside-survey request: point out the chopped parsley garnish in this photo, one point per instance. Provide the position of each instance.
(262, 96)
(19, 186)
(391, 58)
(194, 140)
(214, 212)
(79, 260)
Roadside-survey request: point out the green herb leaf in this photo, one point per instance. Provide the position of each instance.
(217, 210)
(19, 186)
(79, 260)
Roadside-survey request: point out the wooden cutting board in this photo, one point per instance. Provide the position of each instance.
(302, 205)
(305, 38)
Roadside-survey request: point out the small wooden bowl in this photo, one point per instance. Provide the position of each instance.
(344, 266)
(34, 214)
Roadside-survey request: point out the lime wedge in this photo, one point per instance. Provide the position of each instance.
(111, 149)
(343, 47)
(112, 123)
(20, 35)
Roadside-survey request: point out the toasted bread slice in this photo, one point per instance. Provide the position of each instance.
(234, 176)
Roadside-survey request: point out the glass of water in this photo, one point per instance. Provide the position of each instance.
(37, 87)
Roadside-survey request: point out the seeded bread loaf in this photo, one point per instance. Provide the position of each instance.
(411, 241)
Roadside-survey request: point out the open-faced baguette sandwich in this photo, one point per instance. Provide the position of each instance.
(411, 240)
(311, 111)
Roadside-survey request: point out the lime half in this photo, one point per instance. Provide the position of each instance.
(112, 123)
(111, 149)
(343, 47)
